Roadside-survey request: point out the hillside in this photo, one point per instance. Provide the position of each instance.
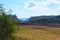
(44, 19)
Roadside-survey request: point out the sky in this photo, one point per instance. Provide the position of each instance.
(28, 8)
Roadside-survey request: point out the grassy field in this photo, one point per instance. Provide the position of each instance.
(37, 33)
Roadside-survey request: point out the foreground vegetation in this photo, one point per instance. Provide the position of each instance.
(7, 26)
(37, 33)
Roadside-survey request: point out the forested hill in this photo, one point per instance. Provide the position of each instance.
(44, 19)
(37, 19)
(14, 18)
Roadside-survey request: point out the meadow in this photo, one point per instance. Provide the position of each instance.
(25, 32)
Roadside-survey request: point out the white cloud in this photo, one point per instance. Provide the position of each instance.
(26, 4)
(39, 8)
(44, 5)
(36, 7)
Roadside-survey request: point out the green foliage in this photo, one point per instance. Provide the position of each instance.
(6, 27)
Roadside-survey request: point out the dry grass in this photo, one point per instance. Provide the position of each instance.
(37, 33)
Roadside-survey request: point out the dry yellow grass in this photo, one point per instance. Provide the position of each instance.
(37, 33)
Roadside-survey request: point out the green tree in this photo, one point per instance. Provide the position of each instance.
(6, 27)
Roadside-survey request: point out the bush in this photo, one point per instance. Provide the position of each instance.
(6, 27)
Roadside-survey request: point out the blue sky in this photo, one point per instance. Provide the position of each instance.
(28, 8)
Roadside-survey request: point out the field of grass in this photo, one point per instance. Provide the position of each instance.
(37, 33)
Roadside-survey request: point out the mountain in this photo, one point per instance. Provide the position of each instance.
(14, 18)
(44, 19)
(36, 19)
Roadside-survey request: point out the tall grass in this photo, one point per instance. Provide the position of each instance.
(37, 33)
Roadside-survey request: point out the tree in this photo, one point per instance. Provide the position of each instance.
(6, 27)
